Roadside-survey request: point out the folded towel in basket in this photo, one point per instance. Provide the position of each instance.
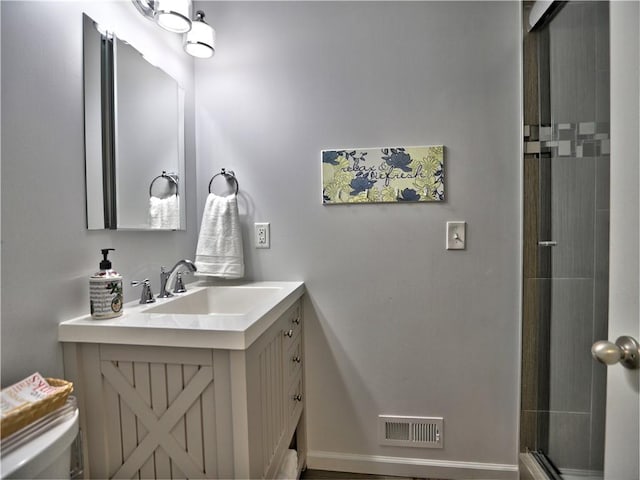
(219, 251)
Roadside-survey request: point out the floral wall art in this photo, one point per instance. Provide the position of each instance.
(381, 175)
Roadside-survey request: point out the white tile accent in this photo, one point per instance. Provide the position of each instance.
(532, 147)
(564, 148)
(587, 128)
(545, 133)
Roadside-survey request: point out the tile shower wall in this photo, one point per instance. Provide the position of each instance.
(566, 285)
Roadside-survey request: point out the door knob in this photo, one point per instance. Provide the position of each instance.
(626, 351)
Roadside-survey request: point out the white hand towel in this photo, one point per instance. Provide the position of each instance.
(289, 466)
(219, 250)
(164, 213)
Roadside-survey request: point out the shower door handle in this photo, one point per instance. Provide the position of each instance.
(626, 350)
(548, 243)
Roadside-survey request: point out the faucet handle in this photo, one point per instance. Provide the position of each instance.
(147, 295)
(164, 276)
(179, 288)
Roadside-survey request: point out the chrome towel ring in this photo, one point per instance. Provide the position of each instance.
(229, 176)
(171, 177)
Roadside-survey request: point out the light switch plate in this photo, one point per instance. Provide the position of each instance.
(456, 235)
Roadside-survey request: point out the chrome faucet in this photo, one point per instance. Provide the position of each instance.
(147, 295)
(166, 278)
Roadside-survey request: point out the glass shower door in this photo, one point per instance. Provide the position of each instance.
(570, 283)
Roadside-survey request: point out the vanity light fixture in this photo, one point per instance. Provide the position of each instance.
(200, 41)
(173, 15)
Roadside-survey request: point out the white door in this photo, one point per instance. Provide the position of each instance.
(622, 440)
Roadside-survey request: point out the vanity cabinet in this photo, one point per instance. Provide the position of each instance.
(176, 412)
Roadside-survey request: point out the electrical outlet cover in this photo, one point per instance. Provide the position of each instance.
(262, 235)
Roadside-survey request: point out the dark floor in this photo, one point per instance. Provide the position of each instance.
(325, 475)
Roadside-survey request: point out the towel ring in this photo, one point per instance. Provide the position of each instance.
(229, 175)
(172, 177)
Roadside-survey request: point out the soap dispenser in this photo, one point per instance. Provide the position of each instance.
(105, 290)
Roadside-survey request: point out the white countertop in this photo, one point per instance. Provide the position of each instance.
(235, 331)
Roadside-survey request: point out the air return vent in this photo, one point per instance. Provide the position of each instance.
(425, 432)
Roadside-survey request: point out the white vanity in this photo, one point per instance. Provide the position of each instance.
(208, 384)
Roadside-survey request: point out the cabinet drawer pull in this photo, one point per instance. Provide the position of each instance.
(288, 333)
(297, 397)
(296, 359)
(296, 321)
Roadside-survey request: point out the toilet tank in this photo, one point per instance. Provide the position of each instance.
(43, 449)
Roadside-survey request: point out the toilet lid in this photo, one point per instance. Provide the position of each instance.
(31, 457)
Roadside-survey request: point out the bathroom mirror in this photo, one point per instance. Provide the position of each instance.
(134, 137)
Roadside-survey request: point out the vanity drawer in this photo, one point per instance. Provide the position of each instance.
(293, 360)
(293, 324)
(295, 399)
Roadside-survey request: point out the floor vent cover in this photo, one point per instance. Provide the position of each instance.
(425, 432)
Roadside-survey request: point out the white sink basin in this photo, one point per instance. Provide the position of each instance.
(237, 300)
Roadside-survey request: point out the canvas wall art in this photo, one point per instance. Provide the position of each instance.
(383, 175)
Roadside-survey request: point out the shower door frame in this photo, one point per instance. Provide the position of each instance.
(540, 281)
(622, 437)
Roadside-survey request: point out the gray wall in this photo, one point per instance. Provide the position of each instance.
(395, 323)
(47, 253)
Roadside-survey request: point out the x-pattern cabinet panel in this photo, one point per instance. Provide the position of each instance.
(169, 412)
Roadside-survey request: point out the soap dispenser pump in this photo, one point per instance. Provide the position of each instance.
(105, 290)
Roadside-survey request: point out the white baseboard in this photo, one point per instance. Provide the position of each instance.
(409, 467)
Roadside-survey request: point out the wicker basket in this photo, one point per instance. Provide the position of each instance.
(30, 412)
